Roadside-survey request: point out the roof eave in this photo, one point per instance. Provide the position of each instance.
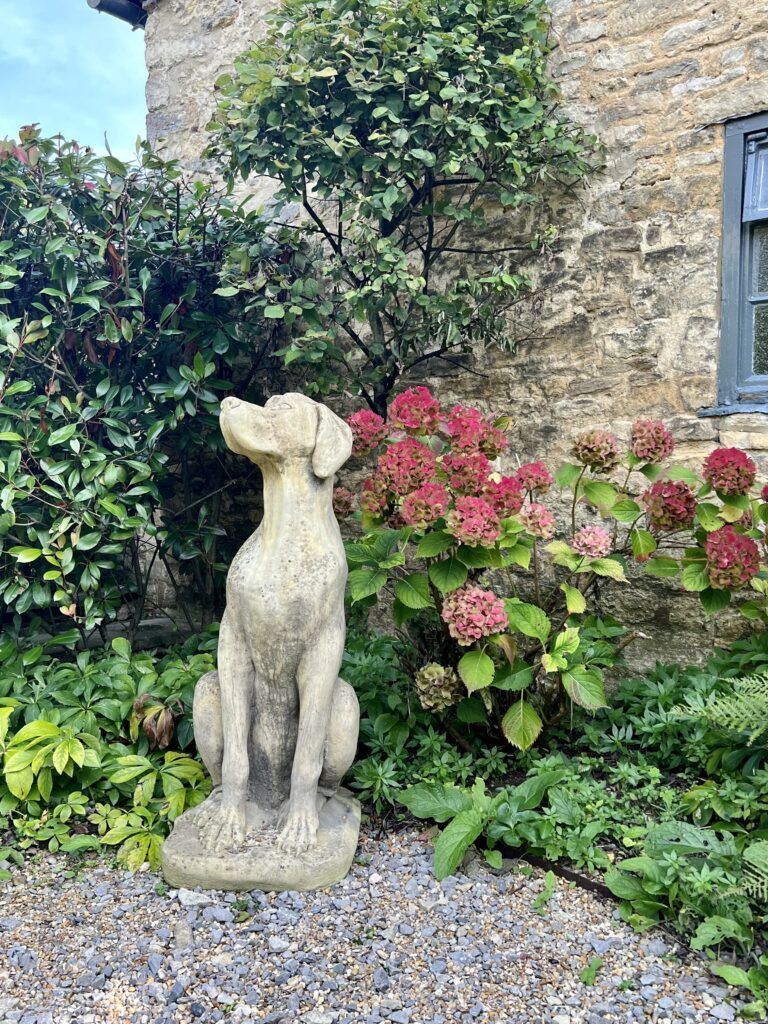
(130, 11)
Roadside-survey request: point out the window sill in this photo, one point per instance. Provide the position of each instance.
(735, 409)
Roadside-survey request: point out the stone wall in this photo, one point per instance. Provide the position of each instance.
(627, 321)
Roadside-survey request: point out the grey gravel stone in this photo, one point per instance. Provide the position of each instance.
(278, 945)
(402, 950)
(191, 898)
(380, 979)
(723, 1012)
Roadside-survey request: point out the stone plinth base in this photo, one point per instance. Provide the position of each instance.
(260, 864)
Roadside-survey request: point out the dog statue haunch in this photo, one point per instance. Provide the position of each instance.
(275, 725)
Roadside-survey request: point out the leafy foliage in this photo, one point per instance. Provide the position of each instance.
(117, 340)
(744, 708)
(397, 128)
(654, 801)
(78, 765)
(400, 743)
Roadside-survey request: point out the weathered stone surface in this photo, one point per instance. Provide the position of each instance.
(275, 725)
(259, 863)
(626, 320)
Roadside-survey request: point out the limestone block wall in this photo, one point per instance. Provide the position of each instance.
(627, 317)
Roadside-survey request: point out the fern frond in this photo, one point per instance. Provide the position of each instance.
(756, 871)
(744, 709)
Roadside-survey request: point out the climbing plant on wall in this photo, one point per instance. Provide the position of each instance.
(398, 128)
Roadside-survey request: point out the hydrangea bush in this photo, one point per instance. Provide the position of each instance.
(505, 580)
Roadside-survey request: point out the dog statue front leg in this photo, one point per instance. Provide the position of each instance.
(316, 679)
(225, 829)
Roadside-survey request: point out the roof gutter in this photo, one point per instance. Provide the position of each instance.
(125, 10)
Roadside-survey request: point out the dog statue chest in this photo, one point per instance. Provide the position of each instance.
(279, 587)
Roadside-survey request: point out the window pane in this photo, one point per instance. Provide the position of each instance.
(760, 335)
(760, 260)
(756, 178)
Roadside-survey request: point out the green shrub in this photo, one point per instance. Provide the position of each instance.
(117, 340)
(397, 127)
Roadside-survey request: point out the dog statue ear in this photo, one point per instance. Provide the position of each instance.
(333, 443)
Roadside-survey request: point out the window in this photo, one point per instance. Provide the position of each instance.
(744, 322)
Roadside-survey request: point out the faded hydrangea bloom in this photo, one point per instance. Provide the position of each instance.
(404, 466)
(732, 558)
(670, 504)
(470, 431)
(538, 521)
(438, 687)
(599, 450)
(368, 431)
(467, 472)
(651, 441)
(343, 502)
(415, 410)
(534, 476)
(425, 505)
(474, 522)
(504, 494)
(730, 471)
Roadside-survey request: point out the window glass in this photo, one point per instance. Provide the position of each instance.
(760, 260)
(760, 349)
(756, 177)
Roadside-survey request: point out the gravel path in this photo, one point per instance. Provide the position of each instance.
(387, 944)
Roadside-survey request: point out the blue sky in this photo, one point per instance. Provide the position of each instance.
(73, 70)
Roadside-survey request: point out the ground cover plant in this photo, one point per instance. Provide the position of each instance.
(398, 129)
(663, 799)
(96, 748)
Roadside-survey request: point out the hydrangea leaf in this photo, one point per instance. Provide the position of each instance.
(413, 591)
(521, 725)
(448, 575)
(476, 670)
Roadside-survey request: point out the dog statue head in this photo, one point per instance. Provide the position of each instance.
(287, 428)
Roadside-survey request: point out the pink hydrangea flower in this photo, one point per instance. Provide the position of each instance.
(472, 613)
(729, 470)
(415, 410)
(467, 472)
(764, 493)
(670, 504)
(470, 431)
(651, 441)
(538, 520)
(473, 521)
(404, 466)
(425, 505)
(732, 558)
(368, 431)
(592, 542)
(505, 495)
(343, 502)
(598, 450)
(534, 476)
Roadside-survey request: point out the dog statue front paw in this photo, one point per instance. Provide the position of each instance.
(298, 830)
(224, 829)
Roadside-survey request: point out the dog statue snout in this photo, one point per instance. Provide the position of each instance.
(229, 403)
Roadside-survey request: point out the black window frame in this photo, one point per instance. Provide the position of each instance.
(746, 142)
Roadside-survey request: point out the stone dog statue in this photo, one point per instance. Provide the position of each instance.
(276, 726)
